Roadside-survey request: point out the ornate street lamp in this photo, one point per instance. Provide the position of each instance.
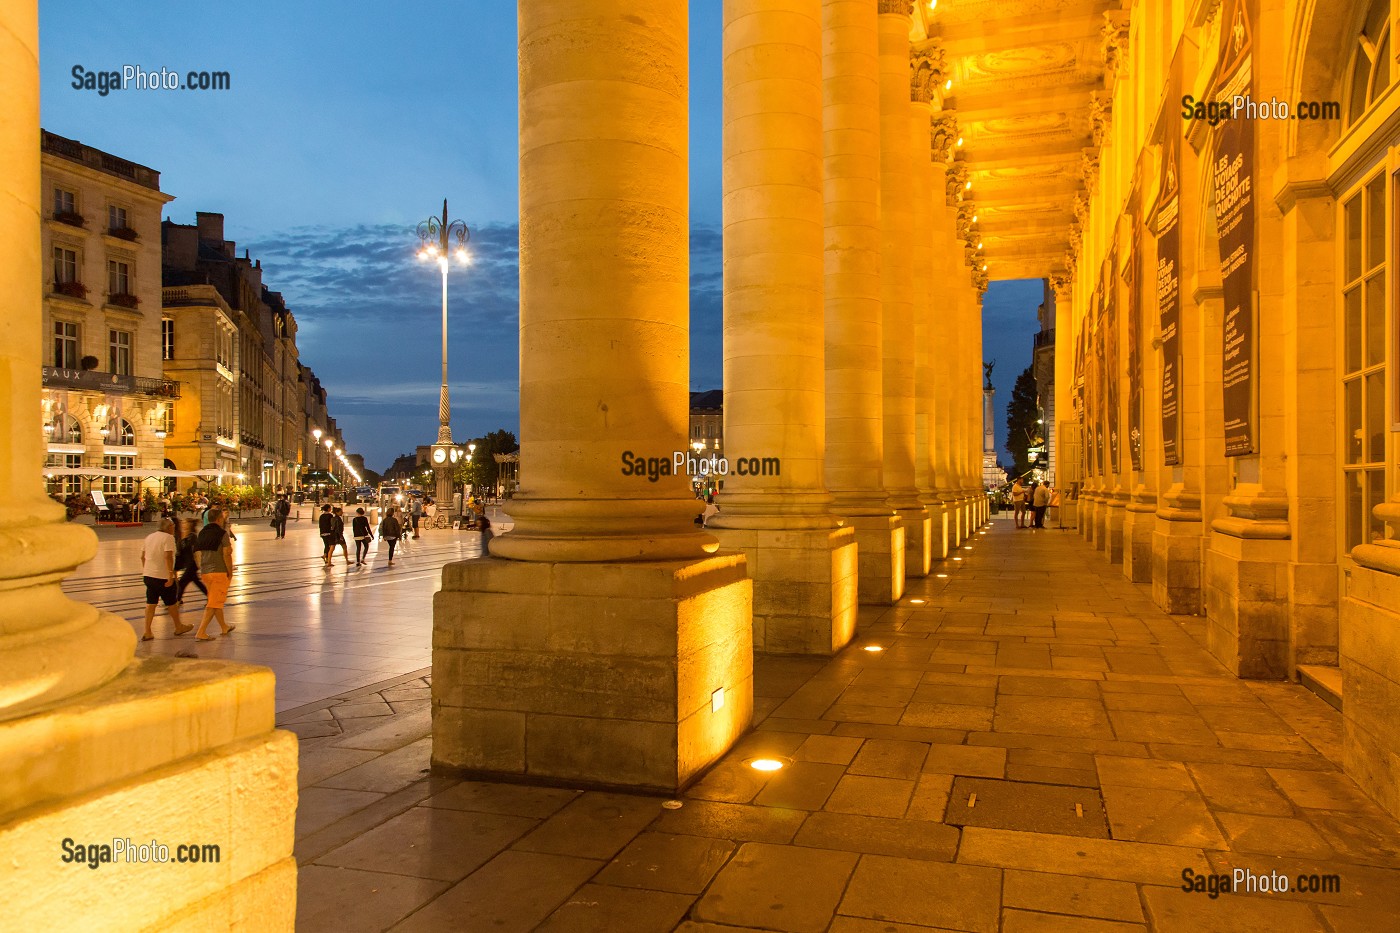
(438, 239)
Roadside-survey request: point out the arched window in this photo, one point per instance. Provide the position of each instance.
(119, 433)
(1370, 62)
(64, 429)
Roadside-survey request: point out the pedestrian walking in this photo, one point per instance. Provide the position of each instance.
(390, 530)
(280, 510)
(339, 524)
(1018, 502)
(158, 573)
(215, 550)
(359, 526)
(1040, 501)
(326, 525)
(185, 561)
(415, 512)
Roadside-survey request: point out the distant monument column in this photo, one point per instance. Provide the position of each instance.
(603, 641)
(992, 475)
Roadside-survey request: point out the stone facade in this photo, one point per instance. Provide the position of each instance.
(253, 409)
(106, 402)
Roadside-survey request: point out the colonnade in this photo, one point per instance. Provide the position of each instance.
(607, 639)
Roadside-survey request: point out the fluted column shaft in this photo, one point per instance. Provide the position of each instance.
(1064, 380)
(942, 324)
(897, 233)
(604, 282)
(921, 186)
(51, 647)
(774, 369)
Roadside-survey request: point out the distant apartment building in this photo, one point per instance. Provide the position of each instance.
(707, 421)
(107, 403)
(1043, 366)
(250, 408)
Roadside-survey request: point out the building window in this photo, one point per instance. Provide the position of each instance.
(116, 218)
(118, 277)
(65, 265)
(65, 485)
(119, 433)
(65, 344)
(64, 202)
(64, 429)
(119, 352)
(167, 339)
(1370, 63)
(1365, 308)
(124, 485)
(166, 420)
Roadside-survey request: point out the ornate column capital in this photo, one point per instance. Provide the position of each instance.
(896, 7)
(1081, 208)
(1061, 283)
(980, 279)
(926, 67)
(1114, 39)
(1101, 115)
(956, 182)
(943, 135)
(1089, 168)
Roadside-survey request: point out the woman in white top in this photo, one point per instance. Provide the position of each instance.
(1018, 502)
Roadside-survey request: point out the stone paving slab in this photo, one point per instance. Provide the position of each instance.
(994, 680)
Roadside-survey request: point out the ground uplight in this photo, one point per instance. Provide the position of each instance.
(766, 764)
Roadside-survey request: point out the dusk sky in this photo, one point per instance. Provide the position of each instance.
(345, 125)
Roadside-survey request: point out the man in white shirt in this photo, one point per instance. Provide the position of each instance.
(158, 573)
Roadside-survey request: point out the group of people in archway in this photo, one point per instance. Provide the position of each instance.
(1030, 501)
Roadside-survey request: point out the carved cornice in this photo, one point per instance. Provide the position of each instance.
(1081, 209)
(897, 7)
(1115, 45)
(926, 67)
(980, 280)
(942, 135)
(956, 182)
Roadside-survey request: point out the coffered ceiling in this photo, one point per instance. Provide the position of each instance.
(1026, 74)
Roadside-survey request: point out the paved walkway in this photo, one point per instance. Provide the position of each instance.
(1035, 747)
(322, 631)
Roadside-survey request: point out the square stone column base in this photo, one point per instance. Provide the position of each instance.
(175, 752)
(1177, 567)
(1088, 510)
(1370, 656)
(631, 675)
(918, 541)
(804, 587)
(941, 534)
(1246, 596)
(880, 554)
(1114, 515)
(1138, 528)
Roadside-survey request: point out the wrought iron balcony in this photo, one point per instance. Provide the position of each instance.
(92, 380)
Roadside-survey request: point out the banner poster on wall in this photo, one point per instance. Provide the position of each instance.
(1233, 174)
(1130, 281)
(1169, 291)
(1111, 369)
(1097, 311)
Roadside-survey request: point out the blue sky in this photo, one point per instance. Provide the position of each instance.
(345, 125)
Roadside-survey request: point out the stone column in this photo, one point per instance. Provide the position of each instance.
(976, 489)
(1140, 522)
(896, 284)
(802, 561)
(948, 359)
(854, 325)
(942, 131)
(598, 643)
(1115, 483)
(91, 739)
(1067, 459)
(926, 77)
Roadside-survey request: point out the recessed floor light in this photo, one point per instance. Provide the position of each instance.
(916, 602)
(874, 648)
(766, 764)
(957, 558)
(967, 547)
(942, 576)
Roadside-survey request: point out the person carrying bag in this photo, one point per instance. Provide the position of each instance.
(390, 530)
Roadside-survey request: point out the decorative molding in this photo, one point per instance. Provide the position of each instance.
(1061, 282)
(926, 69)
(943, 135)
(1081, 209)
(897, 7)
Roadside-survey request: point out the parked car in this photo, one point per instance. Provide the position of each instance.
(364, 494)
